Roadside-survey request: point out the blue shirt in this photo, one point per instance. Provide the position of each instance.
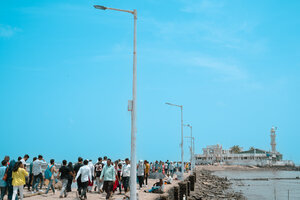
(2, 172)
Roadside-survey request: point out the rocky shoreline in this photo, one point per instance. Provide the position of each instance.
(203, 185)
(209, 186)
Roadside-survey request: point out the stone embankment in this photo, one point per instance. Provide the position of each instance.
(209, 186)
(202, 185)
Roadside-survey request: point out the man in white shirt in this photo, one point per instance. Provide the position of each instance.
(169, 179)
(92, 168)
(126, 175)
(37, 172)
(86, 175)
(104, 160)
(24, 159)
(140, 173)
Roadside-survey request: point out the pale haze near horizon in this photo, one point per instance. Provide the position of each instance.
(66, 77)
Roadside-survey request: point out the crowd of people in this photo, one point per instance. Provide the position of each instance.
(102, 176)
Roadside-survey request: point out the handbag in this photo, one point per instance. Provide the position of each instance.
(5, 175)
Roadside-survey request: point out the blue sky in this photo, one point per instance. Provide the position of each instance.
(66, 76)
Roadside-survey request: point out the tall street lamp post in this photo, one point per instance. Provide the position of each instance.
(132, 106)
(194, 158)
(191, 148)
(181, 145)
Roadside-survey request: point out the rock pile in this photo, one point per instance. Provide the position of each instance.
(209, 186)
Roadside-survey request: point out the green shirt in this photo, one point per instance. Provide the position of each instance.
(109, 173)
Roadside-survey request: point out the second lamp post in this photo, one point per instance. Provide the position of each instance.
(181, 145)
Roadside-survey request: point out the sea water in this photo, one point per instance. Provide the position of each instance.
(265, 189)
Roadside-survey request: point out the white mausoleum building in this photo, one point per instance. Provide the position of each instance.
(216, 154)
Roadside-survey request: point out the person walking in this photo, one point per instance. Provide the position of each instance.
(147, 171)
(151, 167)
(18, 182)
(9, 179)
(3, 177)
(116, 183)
(98, 169)
(49, 175)
(176, 164)
(104, 160)
(126, 175)
(166, 166)
(160, 167)
(37, 172)
(6, 158)
(119, 177)
(91, 181)
(71, 176)
(179, 164)
(172, 168)
(24, 159)
(140, 173)
(163, 168)
(86, 175)
(31, 174)
(187, 167)
(76, 169)
(109, 177)
(64, 173)
(156, 166)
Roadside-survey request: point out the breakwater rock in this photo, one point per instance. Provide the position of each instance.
(209, 186)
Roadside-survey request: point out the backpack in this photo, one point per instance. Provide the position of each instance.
(48, 172)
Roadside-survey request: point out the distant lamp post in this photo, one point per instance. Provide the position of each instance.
(132, 106)
(192, 146)
(181, 145)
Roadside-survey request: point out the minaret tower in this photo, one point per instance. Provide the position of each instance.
(273, 137)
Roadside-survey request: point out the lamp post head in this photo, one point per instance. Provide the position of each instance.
(171, 104)
(187, 125)
(100, 7)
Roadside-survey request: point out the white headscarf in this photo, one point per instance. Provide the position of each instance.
(141, 167)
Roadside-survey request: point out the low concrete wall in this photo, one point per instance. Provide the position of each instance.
(180, 191)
